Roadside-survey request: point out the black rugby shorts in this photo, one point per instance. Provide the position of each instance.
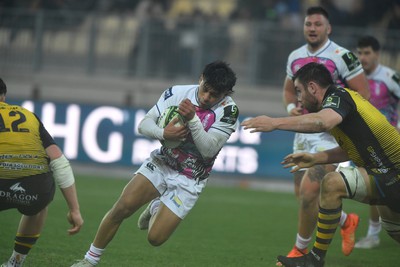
(29, 195)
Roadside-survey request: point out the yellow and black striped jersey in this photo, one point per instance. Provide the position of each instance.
(369, 139)
(23, 140)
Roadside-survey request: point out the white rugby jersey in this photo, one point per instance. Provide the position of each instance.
(222, 118)
(384, 84)
(342, 64)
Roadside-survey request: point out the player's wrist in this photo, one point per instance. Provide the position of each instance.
(290, 107)
(194, 119)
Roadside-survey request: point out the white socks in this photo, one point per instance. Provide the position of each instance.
(302, 243)
(93, 254)
(343, 218)
(374, 228)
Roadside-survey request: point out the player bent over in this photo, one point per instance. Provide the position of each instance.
(30, 166)
(365, 137)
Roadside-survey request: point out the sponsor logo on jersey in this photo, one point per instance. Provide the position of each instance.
(393, 180)
(378, 161)
(231, 113)
(205, 120)
(351, 61)
(168, 93)
(332, 101)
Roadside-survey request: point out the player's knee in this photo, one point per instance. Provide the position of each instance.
(308, 192)
(155, 240)
(121, 210)
(308, 197)
(331, 183)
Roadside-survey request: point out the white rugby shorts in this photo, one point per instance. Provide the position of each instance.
(177, 192)
(313, 143)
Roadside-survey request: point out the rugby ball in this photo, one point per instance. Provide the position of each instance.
(166, 116)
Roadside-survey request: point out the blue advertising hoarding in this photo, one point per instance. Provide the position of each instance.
(108, 135)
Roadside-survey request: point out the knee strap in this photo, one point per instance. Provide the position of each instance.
(355, 184)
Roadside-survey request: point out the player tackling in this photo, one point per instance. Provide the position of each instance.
(364, 136)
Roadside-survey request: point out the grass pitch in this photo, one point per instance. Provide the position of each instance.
(228, 227)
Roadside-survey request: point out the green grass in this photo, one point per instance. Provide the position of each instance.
(228, 227)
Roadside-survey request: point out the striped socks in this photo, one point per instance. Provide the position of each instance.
(93, 254)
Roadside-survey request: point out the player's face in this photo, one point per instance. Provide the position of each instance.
(316, 30)
(207, 96)
(305, 98)
(368, 58)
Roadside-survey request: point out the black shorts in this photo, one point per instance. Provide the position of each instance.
(389, 191)
(29, 194)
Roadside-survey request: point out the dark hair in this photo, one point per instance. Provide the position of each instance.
(368, 40)
(219, 76)
(3, 87)
(315, 72)
(317, 10)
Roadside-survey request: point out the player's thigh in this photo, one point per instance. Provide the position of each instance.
(388, 214)
(137, 192)
(164, 224)
(298, 177)
(312, 178)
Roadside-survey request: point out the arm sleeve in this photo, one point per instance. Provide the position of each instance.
(62, 172)
(148, 126)
(208, 143)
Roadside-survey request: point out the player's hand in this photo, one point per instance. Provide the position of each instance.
(259, 124)
(298, 161)
(174, 132)
(296, 111)
(187, 109)
(75, 219)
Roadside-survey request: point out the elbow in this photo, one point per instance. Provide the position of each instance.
(140, 127)
(207, 155)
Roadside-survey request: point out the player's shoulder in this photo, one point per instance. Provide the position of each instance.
(15, 107)
(388, 73)
(179, 90)
(345, 58)
(228, 109)
(299, 52)
(340, 51)
(387, 70)
(228, 101)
